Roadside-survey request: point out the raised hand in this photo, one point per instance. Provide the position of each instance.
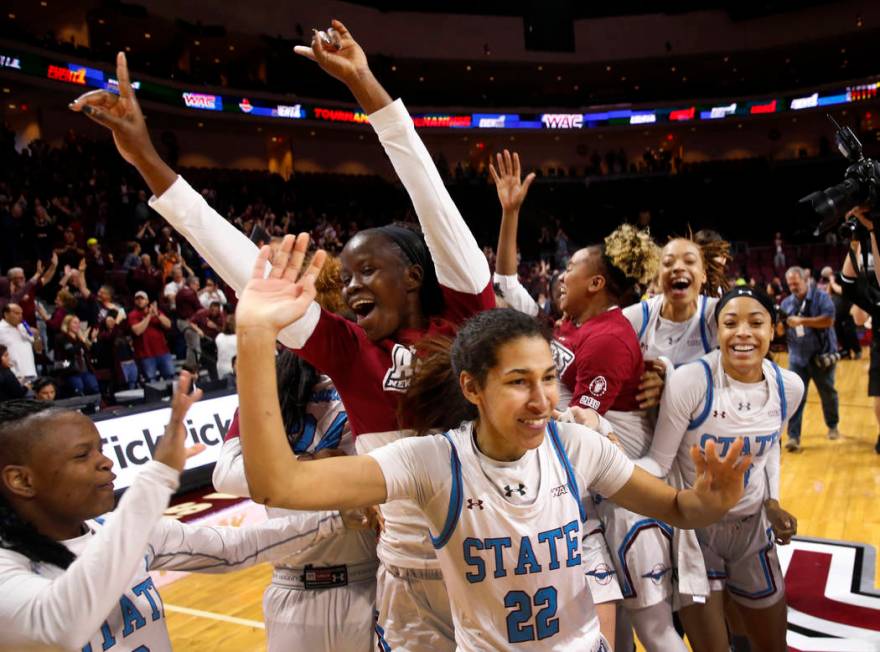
(280, 299)
(345, 63)
(121, 114)
(719, 484)
(512, 189)
(171, 449)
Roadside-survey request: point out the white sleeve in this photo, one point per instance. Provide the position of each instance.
(683, 395)
(458, 260)
(413, 467)
(178, 546)
(226, 249)
(229, 476)
(516, 296)
(602, 466)
(68, 610)
(635, 315)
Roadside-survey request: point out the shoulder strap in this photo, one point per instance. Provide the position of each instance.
(704, 334)
(455, 498)
(569, 472)
(710, 395)
(646, 315)
(780, 386)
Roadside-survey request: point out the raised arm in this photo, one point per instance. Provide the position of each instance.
(459, 261)
(512, 191)
(274, 475)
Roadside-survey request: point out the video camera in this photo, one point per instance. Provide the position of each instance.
(861, 185)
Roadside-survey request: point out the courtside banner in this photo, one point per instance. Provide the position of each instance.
(130, 440)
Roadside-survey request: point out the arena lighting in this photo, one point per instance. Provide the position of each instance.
(10, 62)
(808, 102)
(443, 120)
(67, 75)
(340, 115)
(563, 120)
(682, 114)
(718, 112)
(642, 118)
(203, 101)
(830, 100)
(769, 107)
(862, 92)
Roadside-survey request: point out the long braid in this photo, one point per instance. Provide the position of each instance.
(15, 533)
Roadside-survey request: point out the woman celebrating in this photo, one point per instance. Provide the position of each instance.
(501, 491)
(71, 579)
(72, 348)
(399, 284)
(735, 397)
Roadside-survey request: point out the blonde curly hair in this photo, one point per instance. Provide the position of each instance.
(633, 252)
(329, 287)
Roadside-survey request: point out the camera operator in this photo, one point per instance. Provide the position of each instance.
(863, 290)
(812, 349)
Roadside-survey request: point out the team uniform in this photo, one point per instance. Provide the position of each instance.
(702, 403)
(371, 377)
(323, 598)
(507, 534)
(106, 600)
(678, 342)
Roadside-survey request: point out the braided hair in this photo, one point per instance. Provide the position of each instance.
(17, 430)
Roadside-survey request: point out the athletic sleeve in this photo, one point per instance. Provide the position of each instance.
(600, 465)
(683, 396)
(600, 370)
(226, 249)
(516, 296)
(635, 315)
(178, 546)
(415, 467)
(229, 476)
(458, 260)
(68, 610)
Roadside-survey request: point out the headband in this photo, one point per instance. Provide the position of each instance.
(757, 295)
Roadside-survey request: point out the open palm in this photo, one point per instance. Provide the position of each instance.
(719, 483)
(282, 297)
(512, 189)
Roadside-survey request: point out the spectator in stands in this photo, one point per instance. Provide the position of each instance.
(812, 350)
(227, 346)
(65, 304)
(24, 292)
(10, 388)
(210, 322)
(20, 342)
(72, 357)
(779, 255)
(174, 285)
(97, 262)
(45, 388)
(70, 253)
(106, 305)
(186, 305)
(111, 352)
(148, 278)
(133, 258)
(211, 293)
(148, 327)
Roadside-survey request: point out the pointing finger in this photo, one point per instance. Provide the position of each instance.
(125, 89)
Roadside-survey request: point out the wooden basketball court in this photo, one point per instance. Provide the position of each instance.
(832, 487)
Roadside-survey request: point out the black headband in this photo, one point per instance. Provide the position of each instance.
(757, 295)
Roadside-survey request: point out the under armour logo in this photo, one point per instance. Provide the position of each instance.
(716, 414)
(521, 490)
(471, 503)
(744, 406)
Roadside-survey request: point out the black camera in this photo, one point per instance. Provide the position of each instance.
(861, 184)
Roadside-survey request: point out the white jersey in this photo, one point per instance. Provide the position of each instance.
(701, 404)
(680, 342)
(513, 570)
(106, 600)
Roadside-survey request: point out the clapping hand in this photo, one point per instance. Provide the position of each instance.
(282, 297)
(512, 189)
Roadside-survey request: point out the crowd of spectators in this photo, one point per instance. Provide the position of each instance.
(100, 295)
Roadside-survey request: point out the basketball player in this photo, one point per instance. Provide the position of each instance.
(71, 579)
(734, 396)
(502, 498)
(400, 286)
(600, 367)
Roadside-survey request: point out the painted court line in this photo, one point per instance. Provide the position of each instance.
(214, 616)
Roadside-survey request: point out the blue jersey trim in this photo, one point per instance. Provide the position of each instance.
(646, 315)
(710, 396)
(781, 387)
(455, 498)
(704, 335)
(569, 472)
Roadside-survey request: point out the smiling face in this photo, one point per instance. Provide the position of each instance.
(63, 472)
(378, 287)
(745, 331)
(516, 399)
(682, 273)
(581, 280)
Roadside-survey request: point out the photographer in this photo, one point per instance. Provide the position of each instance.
(861, 288)
(812, 350)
